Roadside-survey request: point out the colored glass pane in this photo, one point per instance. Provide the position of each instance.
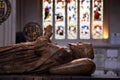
(72, 23)
(84, 19)
(59, 19)
(97, 25)
(47, 13)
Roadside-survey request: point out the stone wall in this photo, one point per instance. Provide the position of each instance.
(107, 60)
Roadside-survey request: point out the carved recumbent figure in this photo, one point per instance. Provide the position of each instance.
(44, 56)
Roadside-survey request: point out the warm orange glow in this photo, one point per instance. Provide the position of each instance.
(106, 31)
(105, 35)
(106, 26)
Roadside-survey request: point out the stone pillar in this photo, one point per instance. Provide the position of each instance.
(8, 27)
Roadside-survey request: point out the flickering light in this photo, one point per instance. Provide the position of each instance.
(105, 35)
(106, 29)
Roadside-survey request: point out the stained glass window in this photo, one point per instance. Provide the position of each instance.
(47, 13)
(84, 19)
(60, 19)
(74, 19)
(97, 25)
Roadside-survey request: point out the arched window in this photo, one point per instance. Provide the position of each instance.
(74, 19)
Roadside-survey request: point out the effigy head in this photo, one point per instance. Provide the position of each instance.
(82, 50)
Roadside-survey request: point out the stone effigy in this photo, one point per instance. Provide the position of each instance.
(42, 55)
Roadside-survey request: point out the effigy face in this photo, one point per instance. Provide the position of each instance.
(82, 50)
